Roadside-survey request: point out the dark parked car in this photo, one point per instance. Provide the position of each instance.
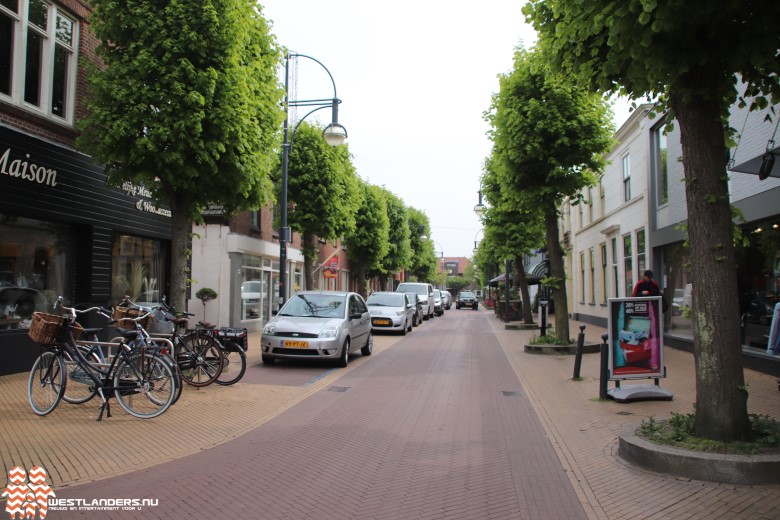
(466, 299)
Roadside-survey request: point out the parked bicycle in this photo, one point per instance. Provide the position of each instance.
(198, 354)
(140, 379)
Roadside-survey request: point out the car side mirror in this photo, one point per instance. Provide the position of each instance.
(356, 316)
(274, 312)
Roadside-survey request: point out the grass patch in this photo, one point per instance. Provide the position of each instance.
(550, 340)
(577, 379)
(678, 431)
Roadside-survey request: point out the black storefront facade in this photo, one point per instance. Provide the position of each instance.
(64, 232)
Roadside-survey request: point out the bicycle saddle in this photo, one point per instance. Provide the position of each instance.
(207, 325)
(178, 321)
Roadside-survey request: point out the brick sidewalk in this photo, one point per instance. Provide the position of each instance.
(75, 449)
(584, 433)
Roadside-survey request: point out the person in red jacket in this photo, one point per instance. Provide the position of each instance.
(647, 286)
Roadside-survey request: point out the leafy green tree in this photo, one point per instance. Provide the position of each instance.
(399, 241)
(688, 55)
(186, 103)
(455, 284)
(514, 226)
(367, 244)
(423, 264)
(324, 193)
(550, 137)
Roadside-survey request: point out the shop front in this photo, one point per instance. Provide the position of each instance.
(758, 275)
(64, 232)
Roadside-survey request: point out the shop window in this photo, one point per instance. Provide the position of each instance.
(628, 265)
(582, 277)
(35, 268)
(41, 38)
(138, 269)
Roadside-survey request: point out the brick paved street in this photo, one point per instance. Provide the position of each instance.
(452, 421)
(436, 427)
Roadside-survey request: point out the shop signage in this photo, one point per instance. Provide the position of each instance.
(636, 338)
(149, 207)
(144, 205)
(26, 170)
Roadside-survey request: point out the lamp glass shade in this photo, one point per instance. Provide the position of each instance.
(334, 134)
(479, 209)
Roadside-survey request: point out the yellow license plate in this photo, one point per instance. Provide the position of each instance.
(382, 322)
(295, 344)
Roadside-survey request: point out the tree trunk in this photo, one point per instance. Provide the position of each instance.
(383, 282)
(521, 284)
(558, 273)
(721, 397)
(309, 259)
(361, 280)
(180, 248)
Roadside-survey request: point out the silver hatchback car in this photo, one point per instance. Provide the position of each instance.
(318, 325)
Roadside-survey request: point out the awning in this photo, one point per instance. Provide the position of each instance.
(534, 276)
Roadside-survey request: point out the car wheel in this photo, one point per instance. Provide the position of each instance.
(404, 330)
(344, 359)
(369, 346)
(268, 360)
(411, 325)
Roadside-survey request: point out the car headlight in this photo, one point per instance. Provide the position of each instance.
(399, 313)
(269, 329)
(330, 332)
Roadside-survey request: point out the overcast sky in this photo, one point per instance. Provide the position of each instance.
(415, 78)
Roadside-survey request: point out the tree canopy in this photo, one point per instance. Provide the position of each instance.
(399, 251)
(550, 137)
(323, 190)
(367, 244)
(423, 262)
(185, 102)
(689, 55)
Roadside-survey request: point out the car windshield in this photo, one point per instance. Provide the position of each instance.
(415, 288)
(466, 295)
(386, 300)
(315, 306)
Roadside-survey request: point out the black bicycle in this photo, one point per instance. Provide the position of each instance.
(140, 379)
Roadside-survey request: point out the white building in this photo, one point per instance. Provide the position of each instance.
(606, 238)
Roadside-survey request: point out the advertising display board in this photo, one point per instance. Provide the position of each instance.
(636, 338)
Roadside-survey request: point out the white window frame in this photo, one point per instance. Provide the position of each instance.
(626, 161)
(19, 64)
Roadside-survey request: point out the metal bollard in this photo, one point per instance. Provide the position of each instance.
(543, 319)
(578, 353)
(604, 373)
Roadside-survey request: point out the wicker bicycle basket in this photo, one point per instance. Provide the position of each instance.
(49, 329)
(121, 315)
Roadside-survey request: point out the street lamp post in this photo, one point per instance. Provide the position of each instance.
(480, 208)
(334, 134)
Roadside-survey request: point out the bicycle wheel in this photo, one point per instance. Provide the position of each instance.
(234, 365)
(177, 379)
(201, 360)
(81, 388)
(47, 383)
(144, 385)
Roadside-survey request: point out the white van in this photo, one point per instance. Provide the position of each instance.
(425, 291)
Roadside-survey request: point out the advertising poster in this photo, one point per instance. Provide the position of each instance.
(636, 338)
